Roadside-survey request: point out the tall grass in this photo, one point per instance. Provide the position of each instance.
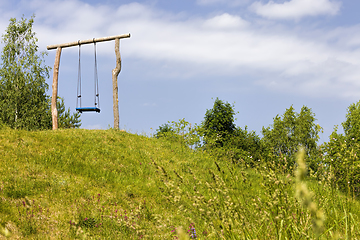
(106, 184)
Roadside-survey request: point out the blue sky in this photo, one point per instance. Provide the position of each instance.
(262, 55)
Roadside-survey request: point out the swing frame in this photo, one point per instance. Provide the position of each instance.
(115, 73)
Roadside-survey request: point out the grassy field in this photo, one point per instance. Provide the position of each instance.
(108, 184)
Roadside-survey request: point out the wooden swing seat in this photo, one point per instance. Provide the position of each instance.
(88, 109)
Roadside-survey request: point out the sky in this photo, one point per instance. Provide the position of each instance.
(262, 56)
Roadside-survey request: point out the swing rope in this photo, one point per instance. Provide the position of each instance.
(96, 80)
(79, 80)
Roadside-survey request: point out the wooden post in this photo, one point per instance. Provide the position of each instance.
(54, 112)
(115, 74)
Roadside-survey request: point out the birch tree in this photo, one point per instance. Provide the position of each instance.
(23, 99)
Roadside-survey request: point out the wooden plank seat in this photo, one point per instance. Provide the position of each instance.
(88, 109)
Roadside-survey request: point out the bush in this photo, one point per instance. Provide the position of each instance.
(181, 131)
(163, 130)
(250, 144)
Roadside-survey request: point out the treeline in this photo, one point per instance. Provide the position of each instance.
(23, 100)
(279, 144)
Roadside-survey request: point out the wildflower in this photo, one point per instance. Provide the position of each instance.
(192, 231)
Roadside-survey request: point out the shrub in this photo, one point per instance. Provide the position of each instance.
(163, 130)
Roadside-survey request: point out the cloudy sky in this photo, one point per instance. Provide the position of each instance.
(263, 56)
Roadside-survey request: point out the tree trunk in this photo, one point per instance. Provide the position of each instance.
(54, 112)
(115, 74)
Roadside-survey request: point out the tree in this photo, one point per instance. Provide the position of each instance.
(290, 131)
(23, 99)
(351, 125)
(218, 125)
(340, 153)
(66, 120)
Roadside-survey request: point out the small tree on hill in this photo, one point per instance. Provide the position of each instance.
(218, 125)
(341, 152)
(23, 102)
(352, 123)
(66, 120)
(290, 131)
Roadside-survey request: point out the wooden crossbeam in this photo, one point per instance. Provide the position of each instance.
(81, 42)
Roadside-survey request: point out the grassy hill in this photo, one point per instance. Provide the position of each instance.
(108, 184)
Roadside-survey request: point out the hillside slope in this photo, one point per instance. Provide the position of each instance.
(70, 175)
(108, 184)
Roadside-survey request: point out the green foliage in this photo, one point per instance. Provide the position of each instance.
(218, 125)
(352, 123)
(340, 153)
(23, 102)
(291, 130)
(65, 119)
(164, 130)
(249, 144)
(181, 131)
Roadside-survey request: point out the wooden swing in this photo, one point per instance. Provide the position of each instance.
(96, 107)
(115, 73)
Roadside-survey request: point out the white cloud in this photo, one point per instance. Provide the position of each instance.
(225, 22)
(295, 9)
(315, 64)
(227, 2)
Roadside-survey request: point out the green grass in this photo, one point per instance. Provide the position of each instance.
(108, 184)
